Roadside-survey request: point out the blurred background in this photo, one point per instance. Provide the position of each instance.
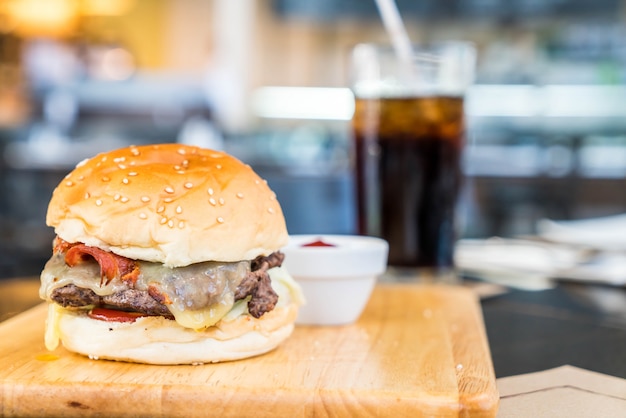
(265, 80)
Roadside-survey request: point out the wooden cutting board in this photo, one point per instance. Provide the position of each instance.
(417, 350)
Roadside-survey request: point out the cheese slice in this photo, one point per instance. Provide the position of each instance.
(200, 295)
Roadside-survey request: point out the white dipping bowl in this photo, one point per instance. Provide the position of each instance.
(336, 280)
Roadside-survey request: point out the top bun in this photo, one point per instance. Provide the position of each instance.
(169, 203)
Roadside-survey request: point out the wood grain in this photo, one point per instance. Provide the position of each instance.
(417, 351)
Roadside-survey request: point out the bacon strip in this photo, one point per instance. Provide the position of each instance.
(111, 265)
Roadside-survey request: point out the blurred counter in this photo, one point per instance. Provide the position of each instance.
(18, 295)
(534, 152)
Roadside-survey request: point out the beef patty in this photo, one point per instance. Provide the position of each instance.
(256, 284)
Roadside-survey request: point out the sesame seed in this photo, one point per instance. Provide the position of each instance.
(222, 201)
(210, 191)
(121, 166)
(212, 201)
(185, 163)
(179, 209)
(182, 151)
(168, 200)
(170, 223)
(87, 195)
(160, 209)
(105, 179)
(98, 202)
(132, 173)
(81, 178)
(82, 163)
(143, 216)
(169, 190)
(218, 166)
(180, 172)
(181, 224)
(240, 195)
(116, 197)
(135, 152)
(188, 185)
(256, 182)
(125, 180)
(163, 220)
(220, 219)
(69, 183)
(177, 167)
(124, 199)
(145, 199)
(119, 159)
(270, 210)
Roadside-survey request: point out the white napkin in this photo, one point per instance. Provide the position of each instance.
(589, 250)
(523, 264)
(605, 233)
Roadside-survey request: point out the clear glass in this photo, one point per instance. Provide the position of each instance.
(409, 134)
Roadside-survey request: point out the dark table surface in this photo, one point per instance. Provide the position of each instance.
(576, 324)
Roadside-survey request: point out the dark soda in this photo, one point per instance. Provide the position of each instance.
(408, 175)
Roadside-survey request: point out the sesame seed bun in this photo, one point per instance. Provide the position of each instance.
(172, 204)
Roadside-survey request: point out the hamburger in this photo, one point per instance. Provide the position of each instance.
(167, 254)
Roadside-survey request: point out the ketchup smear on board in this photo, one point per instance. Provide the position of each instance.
(318, 243)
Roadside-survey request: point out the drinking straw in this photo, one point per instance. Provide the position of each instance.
(395, 28)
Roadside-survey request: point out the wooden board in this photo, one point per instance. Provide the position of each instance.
(417, 350)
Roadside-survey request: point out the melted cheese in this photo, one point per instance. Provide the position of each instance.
(200, 318)
(57, 274)
(198, 295)
(52, 333)
(205, 297)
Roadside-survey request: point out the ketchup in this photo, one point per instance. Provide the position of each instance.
(318, 243)
(112, 315)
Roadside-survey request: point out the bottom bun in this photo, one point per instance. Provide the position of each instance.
(157, 340)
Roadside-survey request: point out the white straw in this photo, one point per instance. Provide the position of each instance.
(395, 28)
